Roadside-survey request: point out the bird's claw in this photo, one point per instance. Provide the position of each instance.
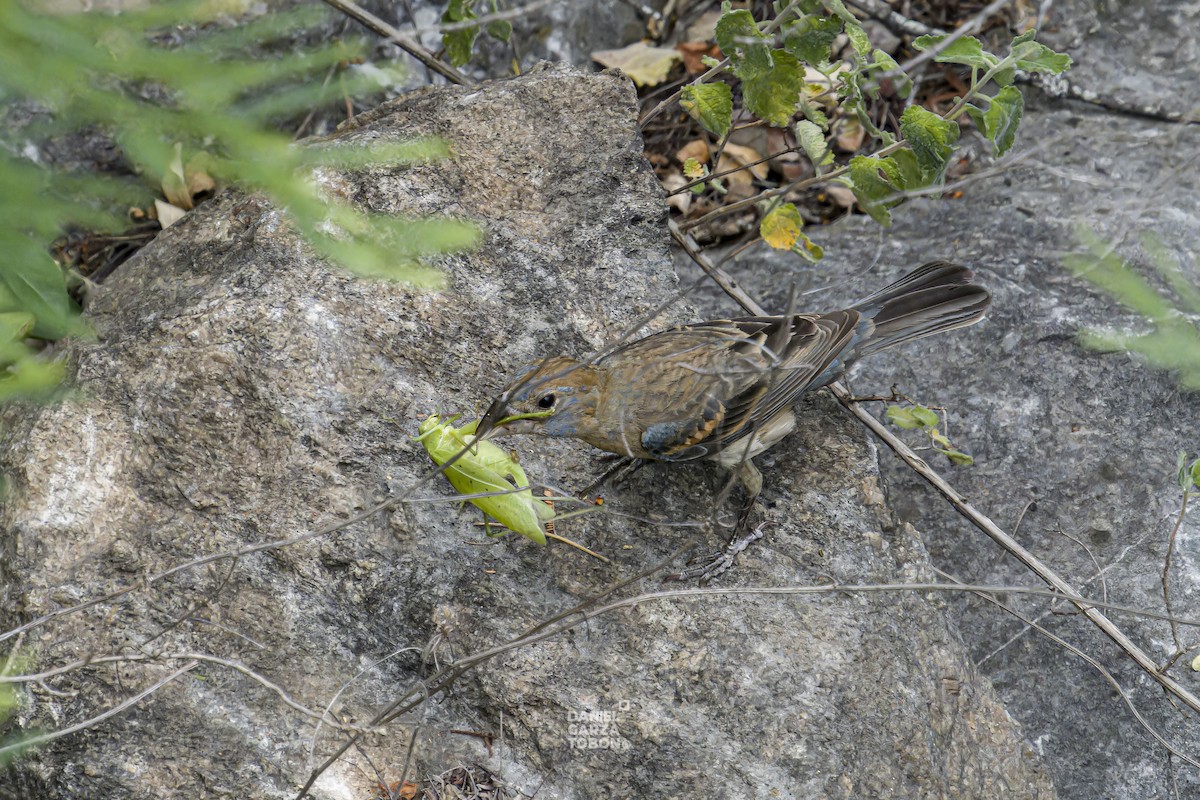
(720, 560)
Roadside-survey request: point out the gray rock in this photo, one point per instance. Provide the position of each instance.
(241, 391)
(1077, 446)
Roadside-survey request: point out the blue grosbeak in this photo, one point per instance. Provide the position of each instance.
(723, 390)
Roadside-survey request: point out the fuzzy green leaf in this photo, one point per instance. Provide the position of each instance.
(926, 416)
(931, 138)
(854, 30)
(1003, 117)
(1034, 56)
(967, 51)
(812, 139)
(813, 114)
(459, 44)
(39, 288)
(875, 178)
(957, 458)
(884, 62)
(876, 182)
(774, 96)
(811, 38)
(858, 38)
(500, 30)
(903, 417)
(710, 104)
(738, 37)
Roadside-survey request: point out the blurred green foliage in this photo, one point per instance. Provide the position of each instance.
(1173, 340)
(129, 74)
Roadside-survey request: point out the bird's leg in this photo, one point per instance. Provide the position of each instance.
(722, 560)
(621, 470)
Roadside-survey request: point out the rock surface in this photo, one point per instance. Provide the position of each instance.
(241, 391)
(1077, 447)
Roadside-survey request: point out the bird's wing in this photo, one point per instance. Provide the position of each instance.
(718, 381)
(798, 353)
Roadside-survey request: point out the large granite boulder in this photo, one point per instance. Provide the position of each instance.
(240, 391)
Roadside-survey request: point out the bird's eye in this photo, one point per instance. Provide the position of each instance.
(547, 401)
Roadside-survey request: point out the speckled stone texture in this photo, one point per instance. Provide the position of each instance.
(241, 391)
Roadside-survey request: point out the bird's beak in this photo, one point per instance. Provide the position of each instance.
(490, 425)
(501, 421)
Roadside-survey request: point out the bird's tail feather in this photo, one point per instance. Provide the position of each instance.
(936, 297)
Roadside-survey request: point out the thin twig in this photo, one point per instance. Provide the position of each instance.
(965, 29)
(1104, 672)
(496, 16)
(1166, 570)
(237, 666)
(401, 40)
(892, 19)
(37, 741)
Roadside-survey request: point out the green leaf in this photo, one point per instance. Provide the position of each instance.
(1168, 266)
(710, 104)
(958, 458)
(499, 29)
(738, 37)
(976, 115)
(1003, 117)
(909, 172)
(1005, 77)
(30, 378)
(39, 288)
(858, 38)
(885, 63)
(967, 51)
(1034, 56)
(15, 325)
(854, 29)
(807, 249)
(1195, 472)
(812, 139)
(774, 96)
(811, 39)
(1027, 36)
(926, 416)
(903, 417)
(813, 114)
(875, 178)
(931, 138)
(459, 44)
(875, 182)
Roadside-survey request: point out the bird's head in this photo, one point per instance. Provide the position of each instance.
(552, 397)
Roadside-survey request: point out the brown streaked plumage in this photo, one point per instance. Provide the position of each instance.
(723, 389)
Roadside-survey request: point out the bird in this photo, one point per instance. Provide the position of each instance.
(723, 390)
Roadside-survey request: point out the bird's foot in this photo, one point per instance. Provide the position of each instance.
(622, 468)
(720, 560)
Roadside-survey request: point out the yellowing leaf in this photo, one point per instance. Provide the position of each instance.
(781, 227)
(648, 66)
(693, 169)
